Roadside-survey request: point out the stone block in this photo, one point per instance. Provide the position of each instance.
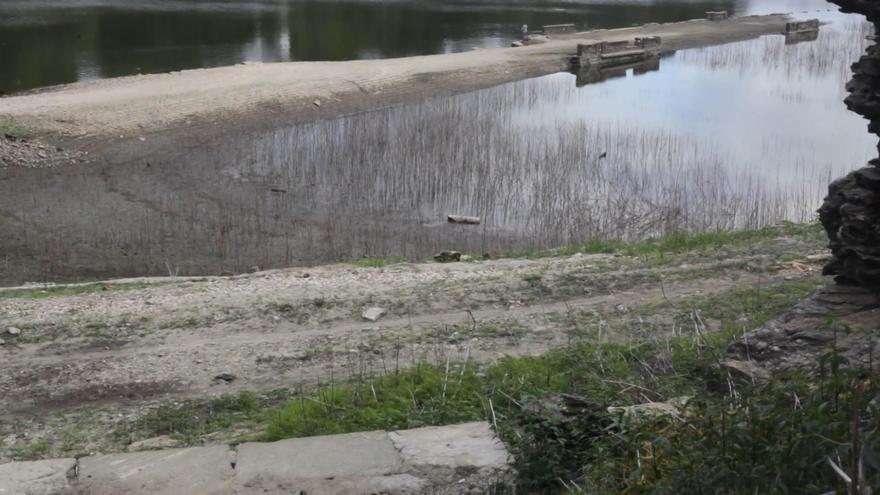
(297, 464)
(193, 471)
(50, 477)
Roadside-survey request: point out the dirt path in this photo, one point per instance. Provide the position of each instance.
(245, 96)
(158, 339)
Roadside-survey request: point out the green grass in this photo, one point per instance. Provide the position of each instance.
(608, 374)
(191, 420)
(14, 129)
(677, 243)
(31, 451)
(379, 262)
(66, 290)
(772, 438)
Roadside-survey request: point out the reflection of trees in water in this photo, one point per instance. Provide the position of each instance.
(836, 47)
(380, 184)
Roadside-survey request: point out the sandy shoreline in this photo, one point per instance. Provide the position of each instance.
(253, 96)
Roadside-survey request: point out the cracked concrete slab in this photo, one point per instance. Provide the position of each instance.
(468, 444)
(50, 477)
(193, 471)
(319, 464)
(457, 459)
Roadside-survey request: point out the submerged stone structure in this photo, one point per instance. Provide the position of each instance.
(851, 212)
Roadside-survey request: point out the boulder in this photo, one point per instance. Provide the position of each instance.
(851, 211)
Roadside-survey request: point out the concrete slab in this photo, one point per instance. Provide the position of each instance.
(51, 477)
(468, 444)
(194, 471)
(307, 461)
(392, 484)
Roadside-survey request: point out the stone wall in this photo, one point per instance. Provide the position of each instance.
(851, 211)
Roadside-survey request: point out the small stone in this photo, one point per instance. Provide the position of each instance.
(622, 309)
(13, 331)
(373, 314)
(317, 103)
(516, 44)
(2, 342)
(226, 377)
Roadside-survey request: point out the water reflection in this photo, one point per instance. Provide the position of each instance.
(44, 42)
(742, 135)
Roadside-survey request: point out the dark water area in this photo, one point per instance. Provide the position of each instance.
(48, 42)
(743, 135)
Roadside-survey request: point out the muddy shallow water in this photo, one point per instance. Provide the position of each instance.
(741, 135)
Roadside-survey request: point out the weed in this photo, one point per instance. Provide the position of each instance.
(66, 290)
(378, 262)
(189, 421)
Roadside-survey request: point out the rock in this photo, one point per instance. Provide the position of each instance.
(155, 443)
(536, 39)
(447, 256)
(851, 211)
(317, 103)
(2, 342)
(516, 44)
(745, 371)
(13, 331)
(373, 314)
(798, 338)
(50, 477)
(226, 377)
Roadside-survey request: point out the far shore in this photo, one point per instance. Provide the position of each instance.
(196, 103)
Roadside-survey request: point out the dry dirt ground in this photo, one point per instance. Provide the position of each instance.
(75, 365)
(251, 95)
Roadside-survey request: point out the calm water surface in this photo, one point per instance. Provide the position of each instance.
(46, 42)
(741, 135)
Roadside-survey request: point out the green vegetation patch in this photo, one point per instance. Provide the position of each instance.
(67, 290)
(379, 262)
(676, 243)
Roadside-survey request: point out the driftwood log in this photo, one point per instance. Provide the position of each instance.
(463, 219)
